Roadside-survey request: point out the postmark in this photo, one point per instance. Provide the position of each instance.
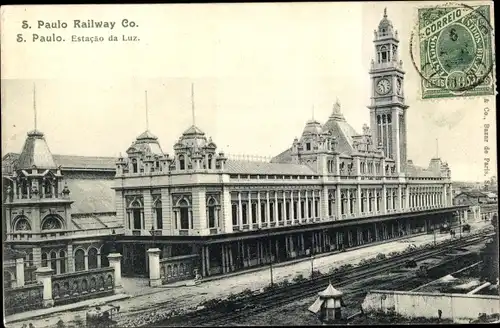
(456, 56)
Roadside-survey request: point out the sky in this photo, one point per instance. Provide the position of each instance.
(258, 71)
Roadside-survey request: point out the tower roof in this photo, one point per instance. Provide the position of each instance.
(36, 152)
(312, 127)
(340, 129)
(146, 143)
(385, 23)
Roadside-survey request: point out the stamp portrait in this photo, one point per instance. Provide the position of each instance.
(456, 51)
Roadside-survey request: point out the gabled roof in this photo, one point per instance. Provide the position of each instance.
(36, 152)
(250, 167)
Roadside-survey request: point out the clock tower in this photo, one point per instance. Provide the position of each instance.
(387, 108)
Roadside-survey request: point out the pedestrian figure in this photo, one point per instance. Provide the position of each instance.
(440, 313)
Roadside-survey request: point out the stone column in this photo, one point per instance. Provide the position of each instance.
(259, 220)
(338, 199)
(292, 211)
(20, 272)
(115, 263)
(154, 267)
(250, 212)
(44, 276)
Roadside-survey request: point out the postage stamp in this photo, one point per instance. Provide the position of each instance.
(456, 52)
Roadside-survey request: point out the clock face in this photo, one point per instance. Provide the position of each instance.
(399, 87)
(383, 86)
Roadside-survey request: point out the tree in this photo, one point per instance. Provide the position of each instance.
(489, 256)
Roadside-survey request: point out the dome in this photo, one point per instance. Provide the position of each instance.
(192, 138)
(312, 127)
(385, 23)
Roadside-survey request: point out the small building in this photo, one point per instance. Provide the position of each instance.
(329, 303)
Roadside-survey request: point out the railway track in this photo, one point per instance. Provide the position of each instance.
(262, 302)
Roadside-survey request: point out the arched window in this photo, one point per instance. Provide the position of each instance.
(159, 215)
(363, 199)
(210, 161)
(51, 222)
(331, 203)
(182, 162)
(352, 202)
(295, 209)
(135, 213)
(135, 167)
(271, 211)
(24, 188)
(262, 212)
(254, 212)
(62, 261)
(211, 208)
(234, 213)
(92, 258)
(44, 260)
(22, 224)
(184, 213)
(53, 261)
(79, 260)
(309, 208)
(287, 210)
(302, 209)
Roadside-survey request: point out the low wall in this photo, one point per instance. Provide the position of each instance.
(78, 286)
(25, 298)
(456, 307)
(177, 268)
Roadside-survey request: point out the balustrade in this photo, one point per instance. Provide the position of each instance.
(76, 286)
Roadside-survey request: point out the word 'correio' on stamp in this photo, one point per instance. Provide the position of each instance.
(456, 53)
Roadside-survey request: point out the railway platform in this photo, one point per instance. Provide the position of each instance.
(146, 300)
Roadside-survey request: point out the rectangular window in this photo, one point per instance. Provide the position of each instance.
(295, 210)
(309, 209)
(302, 209)
(308, 146)
(287, 210)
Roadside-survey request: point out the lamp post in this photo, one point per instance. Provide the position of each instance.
(312, 265)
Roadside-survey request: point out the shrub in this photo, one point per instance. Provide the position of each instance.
(380, 257)
(60, 324)
(284, 283)
(298, 278)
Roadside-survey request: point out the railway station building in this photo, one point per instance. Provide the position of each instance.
(332, 189)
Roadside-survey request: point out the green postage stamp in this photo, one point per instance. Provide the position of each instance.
(456, 52)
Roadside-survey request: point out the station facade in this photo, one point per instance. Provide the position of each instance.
(332, 189)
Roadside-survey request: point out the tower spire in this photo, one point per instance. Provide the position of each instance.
(147, 110)
(192, 104)
(385, 12)
(34, 104)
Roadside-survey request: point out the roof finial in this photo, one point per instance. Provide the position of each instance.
(385, 12)
(34, 103)
(147, 114)
(192, 103)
